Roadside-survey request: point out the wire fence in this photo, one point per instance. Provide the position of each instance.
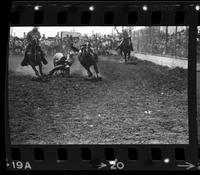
(198, 45)
(163, 41)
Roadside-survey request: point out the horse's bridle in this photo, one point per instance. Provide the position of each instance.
(84, 52)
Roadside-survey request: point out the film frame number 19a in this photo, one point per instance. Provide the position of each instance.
(103, 86)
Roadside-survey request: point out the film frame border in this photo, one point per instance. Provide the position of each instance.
(145, 154)
(171, 13)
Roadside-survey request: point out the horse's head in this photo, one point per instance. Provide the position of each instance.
(84, 50)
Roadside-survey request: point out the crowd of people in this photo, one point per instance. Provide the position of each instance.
(34, 45)
(102, 44)
(146, 40)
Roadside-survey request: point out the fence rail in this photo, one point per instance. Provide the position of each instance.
(171, 41)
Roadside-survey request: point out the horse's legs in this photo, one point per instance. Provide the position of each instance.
(125, 57)
(40, 69)
(96, 70)
(89, 71)
(129, 54)
(36, 72)
(120, 52)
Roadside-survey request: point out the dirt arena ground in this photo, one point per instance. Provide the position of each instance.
(139, 103)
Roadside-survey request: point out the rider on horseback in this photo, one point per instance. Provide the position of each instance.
(90, 49)
(33, 34)
(82, 48)
(87, 48)
(123, 36)
(125, 46)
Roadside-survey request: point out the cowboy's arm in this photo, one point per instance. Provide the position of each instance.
(39, 35)
(117, 30)
(29, 38)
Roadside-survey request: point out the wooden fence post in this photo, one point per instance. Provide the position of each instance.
(141, 42)
(139, 50)
(175, 42)
(187, 39)
(134, 41)
(151, 41)
(166, 40)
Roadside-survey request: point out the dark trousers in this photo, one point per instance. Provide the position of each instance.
(61, 67)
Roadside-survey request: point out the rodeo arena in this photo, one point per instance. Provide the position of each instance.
(128, 86)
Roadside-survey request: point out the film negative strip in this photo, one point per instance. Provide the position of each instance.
(135, 109)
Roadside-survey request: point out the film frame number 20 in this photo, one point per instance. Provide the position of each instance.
(111, 157)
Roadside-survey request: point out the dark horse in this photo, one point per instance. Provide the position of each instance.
(87, 60)
(34, 57)
(125, 49)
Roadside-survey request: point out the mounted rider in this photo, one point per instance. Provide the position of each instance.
(123, 37)
(34, 34)
(90, 49)
(83, 47)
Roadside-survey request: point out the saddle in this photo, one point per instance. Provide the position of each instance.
(31, 49)
(128, 40)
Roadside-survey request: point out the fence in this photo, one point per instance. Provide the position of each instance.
(162, 41)
(198, 45)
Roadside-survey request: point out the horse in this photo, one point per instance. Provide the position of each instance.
(125, 49)
(87, 60)
(34, 57)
